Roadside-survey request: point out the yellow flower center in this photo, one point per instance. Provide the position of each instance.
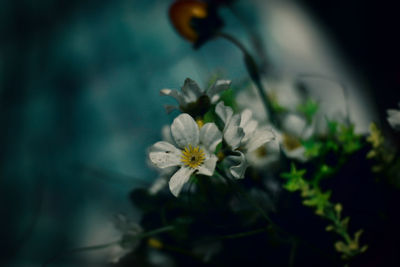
(290, 142)
(154, 243)
(200, 123)
(193, 157)
(261, 152)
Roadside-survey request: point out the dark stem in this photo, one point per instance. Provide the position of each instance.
(254, 74)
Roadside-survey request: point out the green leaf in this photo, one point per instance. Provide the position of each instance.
(313, 148)
(309, 109)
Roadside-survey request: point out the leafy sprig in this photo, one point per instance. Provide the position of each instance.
(314, 197)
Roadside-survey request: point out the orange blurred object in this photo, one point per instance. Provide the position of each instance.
(182, 12)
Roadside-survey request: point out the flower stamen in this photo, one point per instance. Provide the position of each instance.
(193, 157)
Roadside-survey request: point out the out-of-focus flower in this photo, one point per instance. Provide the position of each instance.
(206, 249)
(194, 153)
(242, 134)
(264, 156)
(196, 21)
(295, 129)
(282, 93)
(394, 118)
(130, 238)
(192, 99)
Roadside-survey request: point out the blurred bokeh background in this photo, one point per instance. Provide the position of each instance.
(80, 104)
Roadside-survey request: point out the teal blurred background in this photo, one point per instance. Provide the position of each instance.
(80, 104)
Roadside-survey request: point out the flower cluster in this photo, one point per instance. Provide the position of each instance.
(192, 149)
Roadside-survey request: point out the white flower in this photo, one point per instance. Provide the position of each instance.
(194, 152)
(295, 129)
(280, 91)
(264, 156)
(394, 118)
(242, 134)
(192, 99)
(164, 174)
(130, 238)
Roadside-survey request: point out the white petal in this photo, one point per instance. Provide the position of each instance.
(237, 165)
(179, 179)
(224, 112)
(157, 185)
(162, 154)
(210, 136)
(247, 123)
(185, 131)
(166, 134)
(175, 94)
(294, 125)
(298, 153)
(394, 119)
(233, 133)
(263, 159)
(191, 90)
(259, 138)
(218, 87)
(208, 167)
(116, 252)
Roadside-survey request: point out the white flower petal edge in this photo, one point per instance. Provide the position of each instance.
(394, 118)
(298, 153)
(259, 138)
(208, 166)
(294, 124)
(216, 88)
(191, 90)
(179, 179)
(210, 136)
(163, 155)
(158, 185)
(238, 165)
(185, 131)
(175, 94)
(166, 134)
(225, 113)
(248, 124)
(233, 133)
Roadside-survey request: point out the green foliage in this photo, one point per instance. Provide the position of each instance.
(295, 179)
(379, 152)
(313, 147)
(308, 109)
(350, 141)
(314, 197)
(228, 97)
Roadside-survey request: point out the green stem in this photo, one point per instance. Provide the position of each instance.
(157, 231)
(244, 234)
(254, 74)
(106, 245)
(81, 249)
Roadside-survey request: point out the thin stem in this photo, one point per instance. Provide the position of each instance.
(254, 38)
(106, 245)
(292, 253)
(254, 74)
(81, 249)
(157, 231)
(244, 234)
